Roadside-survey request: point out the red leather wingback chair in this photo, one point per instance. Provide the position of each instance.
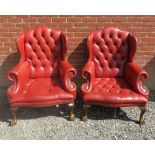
(113, 78)
(43, 76)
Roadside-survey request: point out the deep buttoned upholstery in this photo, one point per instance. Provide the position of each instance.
(42, 51)
(43, 75)
(113, 78)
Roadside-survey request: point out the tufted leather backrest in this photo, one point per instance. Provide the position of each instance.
(42, 48)
(110, 51)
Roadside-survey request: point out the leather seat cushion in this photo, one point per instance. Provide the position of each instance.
(113, 90)
(42, 90)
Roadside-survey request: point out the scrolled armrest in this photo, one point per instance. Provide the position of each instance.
(19, 75)
(135, 75)
(88, 74)
(66, 72)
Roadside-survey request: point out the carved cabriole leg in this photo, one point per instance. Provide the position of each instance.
(141, 119)
(71, 112)
(85, 112)
(115, 113)
(13, 116)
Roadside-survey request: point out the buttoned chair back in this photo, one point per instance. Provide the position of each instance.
(42, 48)
(110, 49)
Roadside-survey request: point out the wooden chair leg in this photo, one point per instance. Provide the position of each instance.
(115, 113)
(141, 119)
(71, 112)
(85, 112)
(13, 116)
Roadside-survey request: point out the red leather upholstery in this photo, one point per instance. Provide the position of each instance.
(43, 75)
(113, 79)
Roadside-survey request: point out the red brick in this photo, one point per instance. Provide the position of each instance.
(15, 20)
(148, 29)
(80, 25)
(119, 19)
(1, 44)
(73, 29)
(44, 19)
(73, 19)
(3, 20)
(22, 25)
(148, 39)
(4, 39)
(149, 19)
(28, 19)
(8, 25)
(104, 19)
(15, 29)
(4, 29)
(135, 19)
(81, 34)
(66, 25)
(89, 19)
(61, 19)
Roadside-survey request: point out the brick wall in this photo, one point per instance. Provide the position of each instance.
(77, 29)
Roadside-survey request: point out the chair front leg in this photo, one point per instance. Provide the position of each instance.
(141, 119)
(71, 112)
(85, 112)
(13, 116)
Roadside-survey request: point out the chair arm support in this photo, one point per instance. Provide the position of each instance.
(88, 74)
(66, 72)
(19, 75)
(135, 75)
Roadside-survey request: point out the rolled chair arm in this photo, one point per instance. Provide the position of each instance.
(66, 72)
(135, 75)
(19, 75)
(88, 74)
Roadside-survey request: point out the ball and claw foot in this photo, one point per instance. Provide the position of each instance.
(84, 119)
(141, 119)
(72, 117)
(141, 122)
(71, 113)
(85, 112)
(13, 117)
(13, 123)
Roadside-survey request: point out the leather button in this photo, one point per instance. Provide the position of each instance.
(122, 58)
(98, 43)
(119, 35)
(102, 51)
(123, 43)
(118, 66)
(106, 43)
(111, 35)
(102, 35)
(115, 43)
(34, 66)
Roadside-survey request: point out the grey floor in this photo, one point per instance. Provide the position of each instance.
(51, 123)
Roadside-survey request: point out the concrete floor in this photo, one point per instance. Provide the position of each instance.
(51, 123)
